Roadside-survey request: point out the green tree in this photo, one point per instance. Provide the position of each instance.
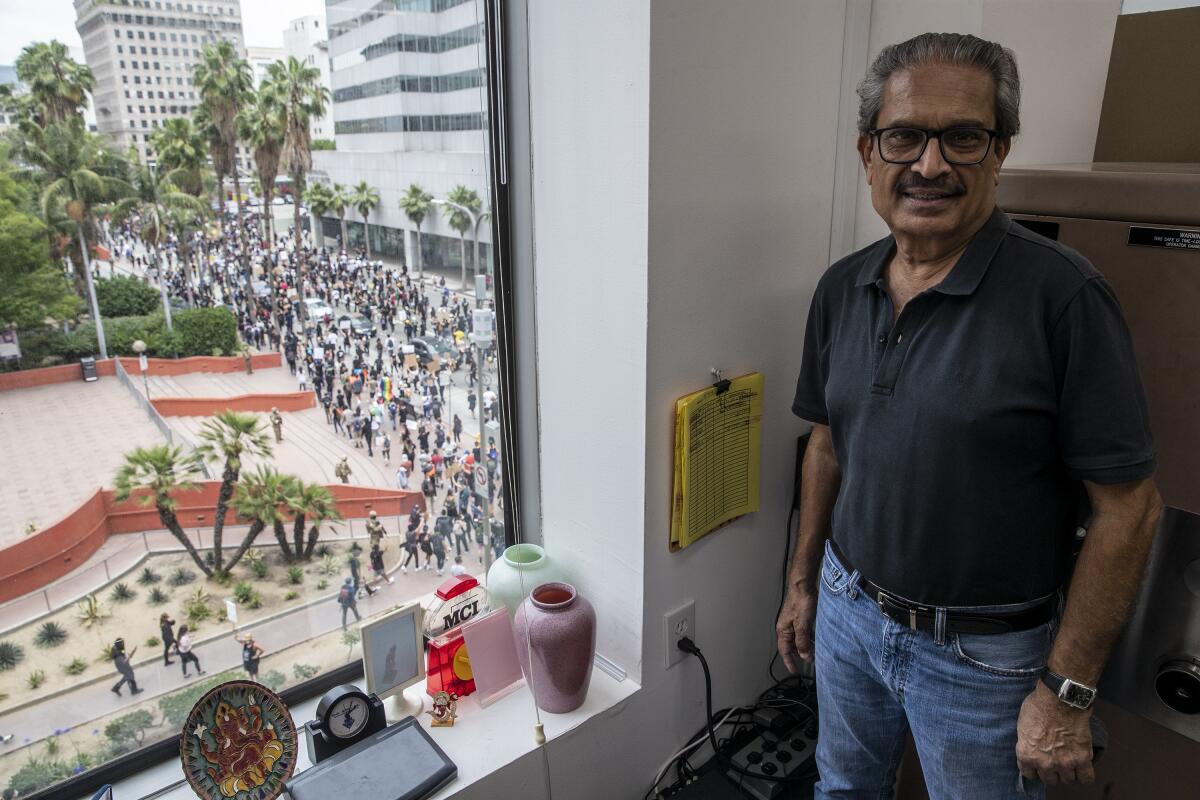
(461, 221)
(126, 296)
(76, 170)
(311, 504)
(34, 290)
(319, 199)
(226, 86)
(299, 91)
(228, 438)
(219, 155)
(182, 152)
(261, 126)
(365, 198)
(417, 205)
(261, 497)
(163, 469)
(339, 200)
(58, 86)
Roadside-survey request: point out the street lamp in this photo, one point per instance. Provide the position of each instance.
(475, 220)
(139, 347)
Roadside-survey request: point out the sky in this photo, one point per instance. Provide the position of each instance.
(41, 20)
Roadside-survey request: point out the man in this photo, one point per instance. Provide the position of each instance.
(342, 470)
(968, 382)
(277, 422)
(121, 663)
(356, 571)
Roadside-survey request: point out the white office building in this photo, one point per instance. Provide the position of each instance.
(409, 106)
(261, 59)
(142, 53)
(306, 40)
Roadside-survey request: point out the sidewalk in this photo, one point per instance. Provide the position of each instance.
(76, 707)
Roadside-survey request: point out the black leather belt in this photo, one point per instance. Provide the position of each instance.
(923, 618)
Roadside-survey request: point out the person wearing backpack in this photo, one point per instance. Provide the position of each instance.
(377, 565)
(410, 549)
(348, 601)
(426, 546)
(438, 543)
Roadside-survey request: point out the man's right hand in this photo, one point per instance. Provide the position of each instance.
(796, 627)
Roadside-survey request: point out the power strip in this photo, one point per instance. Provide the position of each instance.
(774, 756)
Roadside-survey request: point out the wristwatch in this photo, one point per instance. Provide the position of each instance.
(1073, 693)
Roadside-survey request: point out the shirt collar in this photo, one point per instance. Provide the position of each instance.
(967, 272)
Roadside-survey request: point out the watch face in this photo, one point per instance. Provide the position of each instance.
(348, 717)
(1077, 694)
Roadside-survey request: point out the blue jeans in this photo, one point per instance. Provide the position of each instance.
(960, 695)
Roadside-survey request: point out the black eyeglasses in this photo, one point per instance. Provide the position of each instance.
(961, 146)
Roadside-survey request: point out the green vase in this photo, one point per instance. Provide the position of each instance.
(520, 564)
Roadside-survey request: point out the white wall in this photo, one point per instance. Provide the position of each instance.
(1062, 49)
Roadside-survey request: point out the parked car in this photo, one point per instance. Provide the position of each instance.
(429, 347)
(357, 323)
(318, 309)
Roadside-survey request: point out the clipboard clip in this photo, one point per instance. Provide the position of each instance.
(719, 383)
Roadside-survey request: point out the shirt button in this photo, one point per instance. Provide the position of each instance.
(883, 340)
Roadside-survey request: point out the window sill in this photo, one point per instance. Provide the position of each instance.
(482, 741)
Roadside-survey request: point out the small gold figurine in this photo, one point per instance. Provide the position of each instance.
(445, 706)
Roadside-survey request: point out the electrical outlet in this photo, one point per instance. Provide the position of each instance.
(680, 623)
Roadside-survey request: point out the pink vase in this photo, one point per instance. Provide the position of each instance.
(561, 627)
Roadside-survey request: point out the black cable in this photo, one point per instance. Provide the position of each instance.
(688, 646)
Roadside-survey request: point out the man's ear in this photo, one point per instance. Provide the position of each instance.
(866, 154)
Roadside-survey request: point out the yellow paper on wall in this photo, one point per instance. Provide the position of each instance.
(718, 438)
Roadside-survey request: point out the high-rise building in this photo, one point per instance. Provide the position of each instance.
(409, 106)
(306, 40)
(261, 59)
(8, 77)
(142, 53)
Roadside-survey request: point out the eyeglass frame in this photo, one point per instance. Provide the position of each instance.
(935, 134)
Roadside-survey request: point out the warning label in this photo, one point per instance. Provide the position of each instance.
(1172, 238)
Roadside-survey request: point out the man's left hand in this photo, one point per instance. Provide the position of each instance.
(1054, 740)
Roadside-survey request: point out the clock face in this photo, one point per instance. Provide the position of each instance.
(348, 717)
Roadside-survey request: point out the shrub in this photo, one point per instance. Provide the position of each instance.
(125, 296)
(37, 774)
(260, 569)
(322, 585)
(242, 592)
(222, 578)
(323, 144)
(329, 566)
(273, 680)
(295, 575)
(176, 707)
(126, 733)
(121, 593)
(196, 608)
(11, 654)
(105, 654)
(50, 634)
(304, 671)
(91, 611)
(181, 577)
(148, 577)
(325, 549)
(350, 638)
(291, 595)
(153, 641)
(255, 601)
(157, 596)
(202, 329)
(76, 667)
(36, 678)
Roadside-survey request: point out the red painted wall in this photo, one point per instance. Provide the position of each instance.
(65, 373)
(30, 378)
(207, 406)
(53, 552)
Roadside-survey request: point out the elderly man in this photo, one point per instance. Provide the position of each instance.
(972, 389)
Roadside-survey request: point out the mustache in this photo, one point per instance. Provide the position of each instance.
(917, 183)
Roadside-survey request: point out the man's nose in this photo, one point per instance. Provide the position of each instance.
(931, 164)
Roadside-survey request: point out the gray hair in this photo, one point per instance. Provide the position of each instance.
(957, 49)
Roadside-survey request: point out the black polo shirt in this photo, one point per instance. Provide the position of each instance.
(963, 430)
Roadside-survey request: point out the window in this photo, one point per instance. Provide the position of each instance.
(455, 139)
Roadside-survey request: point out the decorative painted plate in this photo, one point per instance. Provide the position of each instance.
(239, 743)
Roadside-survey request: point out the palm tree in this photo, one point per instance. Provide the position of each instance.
(313, 504)
(339, 201)
(319, 199)
(226, 85)
(260, 498)
(218, 153)
(163, 470)
(72, 164)
(57, 86)
(181, 152)
(416, 203)
(229, 437)
(303, 98)
(364, 199)
(261, 126)
(153, 197)
(461, 221)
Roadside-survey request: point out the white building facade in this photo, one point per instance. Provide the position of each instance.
(306, 40)
(142, 53)
(409, 106)
(261, 59)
